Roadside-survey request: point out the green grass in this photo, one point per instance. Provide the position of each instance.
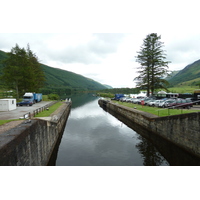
(183, 89)
(47, 113)
(161, 112)
(7, 120)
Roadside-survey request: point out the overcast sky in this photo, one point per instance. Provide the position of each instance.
(100, 39)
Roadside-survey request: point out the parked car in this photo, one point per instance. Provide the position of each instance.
(136, 100)
(152, 102)
(181, 103)
(25, 103)
(142, 99)
(157, 102)
(122, 99)
(128, 99)
(164, 103)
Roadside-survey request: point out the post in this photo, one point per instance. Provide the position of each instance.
(142, 102)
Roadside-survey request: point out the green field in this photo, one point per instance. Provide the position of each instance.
(183, 89)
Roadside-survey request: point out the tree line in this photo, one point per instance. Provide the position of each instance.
(22, 72)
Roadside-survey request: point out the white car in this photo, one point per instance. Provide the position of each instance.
(151, 103)
(157, 102)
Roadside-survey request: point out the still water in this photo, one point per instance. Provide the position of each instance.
(93, 137)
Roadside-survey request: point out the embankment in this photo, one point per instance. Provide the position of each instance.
(32, 143)
(182, 130)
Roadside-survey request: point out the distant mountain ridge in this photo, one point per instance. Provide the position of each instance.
(58, 79)
(191, 73)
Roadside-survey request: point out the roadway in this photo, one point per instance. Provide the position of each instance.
(21, 111)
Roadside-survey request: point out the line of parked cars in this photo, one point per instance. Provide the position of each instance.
(162, 103)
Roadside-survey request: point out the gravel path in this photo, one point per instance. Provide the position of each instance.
(9, 125)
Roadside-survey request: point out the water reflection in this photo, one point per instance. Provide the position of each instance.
(150, 154)
(152, 147)
(93, 137)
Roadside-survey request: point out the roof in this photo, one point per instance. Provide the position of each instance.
(7, 99)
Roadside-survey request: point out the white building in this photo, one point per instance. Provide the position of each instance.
(7, 104)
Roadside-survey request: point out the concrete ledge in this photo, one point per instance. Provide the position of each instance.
(32, 144)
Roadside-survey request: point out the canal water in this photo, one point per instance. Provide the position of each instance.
(93, 137)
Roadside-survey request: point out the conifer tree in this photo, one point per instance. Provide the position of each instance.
(153, 66)
(22, 72)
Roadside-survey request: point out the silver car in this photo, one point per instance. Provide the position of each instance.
(157, 102)
(166, 102)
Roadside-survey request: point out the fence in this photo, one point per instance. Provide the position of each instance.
(41, 109)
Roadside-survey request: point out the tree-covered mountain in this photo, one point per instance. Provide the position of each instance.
(62, 81)
(171, 75)
(190, 74)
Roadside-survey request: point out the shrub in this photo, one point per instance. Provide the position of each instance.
(53, 96)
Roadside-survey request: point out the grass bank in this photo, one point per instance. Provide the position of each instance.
(7, 120)
(161, 112)
(47, 113)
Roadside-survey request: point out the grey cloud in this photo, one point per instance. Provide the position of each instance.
(105, 43)
(91, 52)
(79, 54)
(185, 50)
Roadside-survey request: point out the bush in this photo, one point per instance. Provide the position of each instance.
(53, 96)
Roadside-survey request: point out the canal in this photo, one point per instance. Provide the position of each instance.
(93, 137)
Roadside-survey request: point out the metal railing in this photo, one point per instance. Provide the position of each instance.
(38, 110)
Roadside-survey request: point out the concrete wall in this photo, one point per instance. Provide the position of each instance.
(182, 130)
(32, 144)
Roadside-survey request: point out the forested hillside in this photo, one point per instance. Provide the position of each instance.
(62, 81)
(190, 74)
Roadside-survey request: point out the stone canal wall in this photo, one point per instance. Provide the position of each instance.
(32, 143)
(182, 130)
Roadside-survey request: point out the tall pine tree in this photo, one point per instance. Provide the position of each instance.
(153, 66)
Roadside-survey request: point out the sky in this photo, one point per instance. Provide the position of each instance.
(100, 39)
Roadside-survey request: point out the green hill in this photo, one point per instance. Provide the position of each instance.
(190, 75)
(62, 81)
(171, 75)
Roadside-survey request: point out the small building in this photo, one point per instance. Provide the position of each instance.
(7, 104)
